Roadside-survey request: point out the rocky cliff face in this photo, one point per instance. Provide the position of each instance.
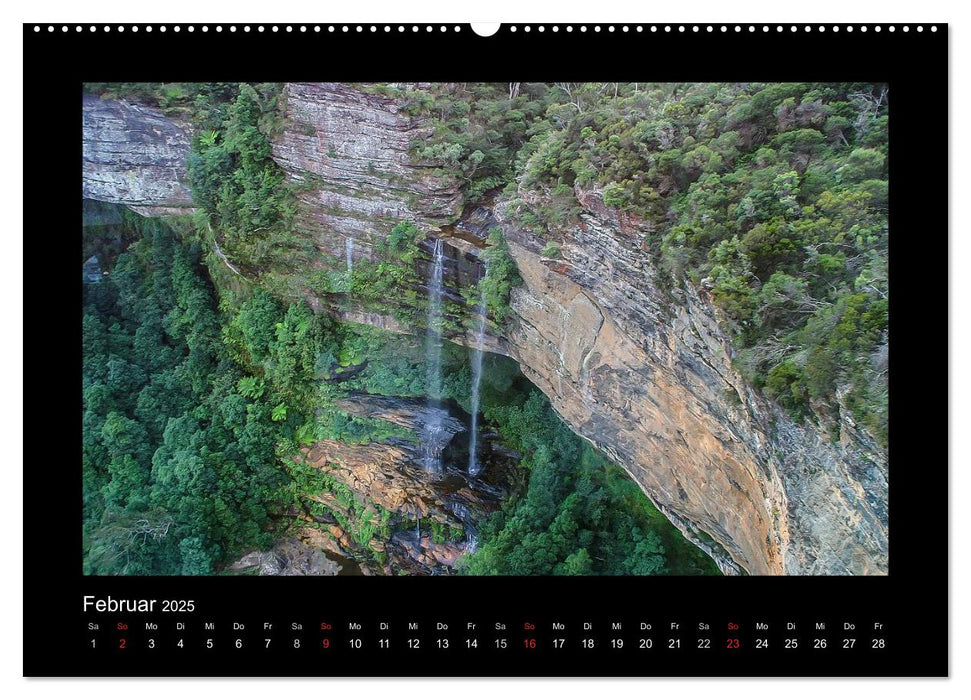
(642, 371)
(350, 150)
(135, 156)
(424, 519)
(645, 373)
(287, 557)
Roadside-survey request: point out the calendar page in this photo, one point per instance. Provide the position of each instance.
(567, 350)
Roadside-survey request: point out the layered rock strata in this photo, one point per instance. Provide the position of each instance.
(349, 151)
(645, 373)
(135, 156)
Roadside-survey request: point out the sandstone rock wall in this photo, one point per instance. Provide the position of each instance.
(645, 373)
(350, 151)
(135, 156)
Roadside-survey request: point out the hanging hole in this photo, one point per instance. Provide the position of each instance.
(485, 28)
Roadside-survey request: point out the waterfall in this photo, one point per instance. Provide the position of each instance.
(471, 542)
(432, 442)
(349, 254)
(434, 353)
(433, 460)
(480, 324)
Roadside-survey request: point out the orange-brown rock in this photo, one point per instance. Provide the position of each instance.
(389, 477)
(646, 374)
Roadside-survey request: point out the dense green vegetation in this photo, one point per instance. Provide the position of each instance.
(580, 515)
(501, 276)
(179, 465)
(188, 411)
(241, 190)
(770, 198)
(392, 284)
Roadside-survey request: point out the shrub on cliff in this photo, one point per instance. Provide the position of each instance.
(501, 277)
(392, 283)
(550, 250)
(235, 180)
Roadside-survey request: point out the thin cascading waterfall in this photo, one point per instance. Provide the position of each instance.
(434, 352)
(432, 448)
(477, 355)
(349, 254)
(471, 542)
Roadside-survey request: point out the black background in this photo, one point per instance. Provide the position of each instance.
(911, 601)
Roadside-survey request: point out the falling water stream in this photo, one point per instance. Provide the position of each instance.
(349, 254)
(480, 324)
(432, 433)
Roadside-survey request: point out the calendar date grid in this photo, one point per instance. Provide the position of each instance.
(332, 636)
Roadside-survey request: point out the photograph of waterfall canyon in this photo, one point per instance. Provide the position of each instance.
(484, 329)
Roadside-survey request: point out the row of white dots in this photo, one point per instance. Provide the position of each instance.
(429, 28)
(247, 28)
(725, 28)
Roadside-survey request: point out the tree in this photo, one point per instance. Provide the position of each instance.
(195, 559)
(128, 485)
(162, 417)
(577, 564)
(771, 246)
(122, 436)
(821, 372)
(256, 325)
(124, 379)
(836, 129)
(648, 556)
(784, 383)
(799, 146)
(863, 164)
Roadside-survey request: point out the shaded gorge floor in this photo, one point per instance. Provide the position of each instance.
(543, 500)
